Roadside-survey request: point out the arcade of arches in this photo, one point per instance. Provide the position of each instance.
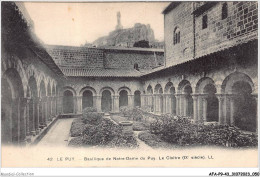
(35, 91)
(29, 103)
(31, 100)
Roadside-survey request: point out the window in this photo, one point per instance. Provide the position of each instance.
(204, 21)
(224, 11)
(176, 36)
(136, 67)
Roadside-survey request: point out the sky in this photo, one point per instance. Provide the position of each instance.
(77, 23)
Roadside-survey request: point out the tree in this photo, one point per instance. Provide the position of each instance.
(142, 44)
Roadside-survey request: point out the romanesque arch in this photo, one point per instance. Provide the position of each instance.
(68, 101)
(186, 101)
(242, 104)
(149, 89)
(126, 89)
(233, 78)
(150, 98)
(210, 106)
(13, 62)
(123, 98)
(158, 98)
(87, 96)
(11, 105)
(170, 98)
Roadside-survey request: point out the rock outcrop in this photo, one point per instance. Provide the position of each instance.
(126, 37)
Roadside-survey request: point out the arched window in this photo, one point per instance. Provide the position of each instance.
(176, 36)
(224, 11)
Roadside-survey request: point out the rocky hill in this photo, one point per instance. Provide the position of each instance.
(126, 37)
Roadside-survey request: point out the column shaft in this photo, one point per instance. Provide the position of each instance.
(115, 102)
(204, 109)
(195, 108)
(220, 101)
(98, 103)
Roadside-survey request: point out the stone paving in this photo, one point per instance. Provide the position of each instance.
(58, 135)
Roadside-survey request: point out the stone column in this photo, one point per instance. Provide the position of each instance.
(75, 104)
(154, 103)
(56, 105)
(200, 108)
(130, 101)
(204, 102)
(79, 104)
(49, 100)
(18, 111)
(60, 104)
(115, 100)
(255, 96)
(167, 103)
(195, 107)
(151, 102)
(33, 132)
(44, 111)
(23, 118)
(37, 101)
(53, 106)
(183, 104)
(98, 103)
(28, 117)
(232, 120)
(227, 112)
(220, 107)
(177, 96)
(143, 98)
(50, 107)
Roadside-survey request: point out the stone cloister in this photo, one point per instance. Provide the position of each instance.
(216, 88)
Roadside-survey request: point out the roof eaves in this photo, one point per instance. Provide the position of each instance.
(170, 7)
(200, 10)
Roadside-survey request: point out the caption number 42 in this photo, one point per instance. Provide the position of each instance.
(50, 159)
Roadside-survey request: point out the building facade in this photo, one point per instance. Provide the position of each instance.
(207, 71)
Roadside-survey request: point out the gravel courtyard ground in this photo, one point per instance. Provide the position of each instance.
(58, 135)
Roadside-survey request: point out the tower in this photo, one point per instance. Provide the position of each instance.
(119, 26)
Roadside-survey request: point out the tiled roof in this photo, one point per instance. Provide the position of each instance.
(248, 42)
(133, 49)
(99, 72)
(82, 48)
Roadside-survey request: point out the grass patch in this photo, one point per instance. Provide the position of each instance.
(77, 127)
(76, 142)
(154, 141)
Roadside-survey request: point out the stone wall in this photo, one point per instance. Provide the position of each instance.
(91, 58)
(127, 59)
(239, 27)
(180, 18)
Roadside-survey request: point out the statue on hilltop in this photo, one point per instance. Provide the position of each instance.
(119, 26)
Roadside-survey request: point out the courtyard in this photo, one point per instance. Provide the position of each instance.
(145, 131)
